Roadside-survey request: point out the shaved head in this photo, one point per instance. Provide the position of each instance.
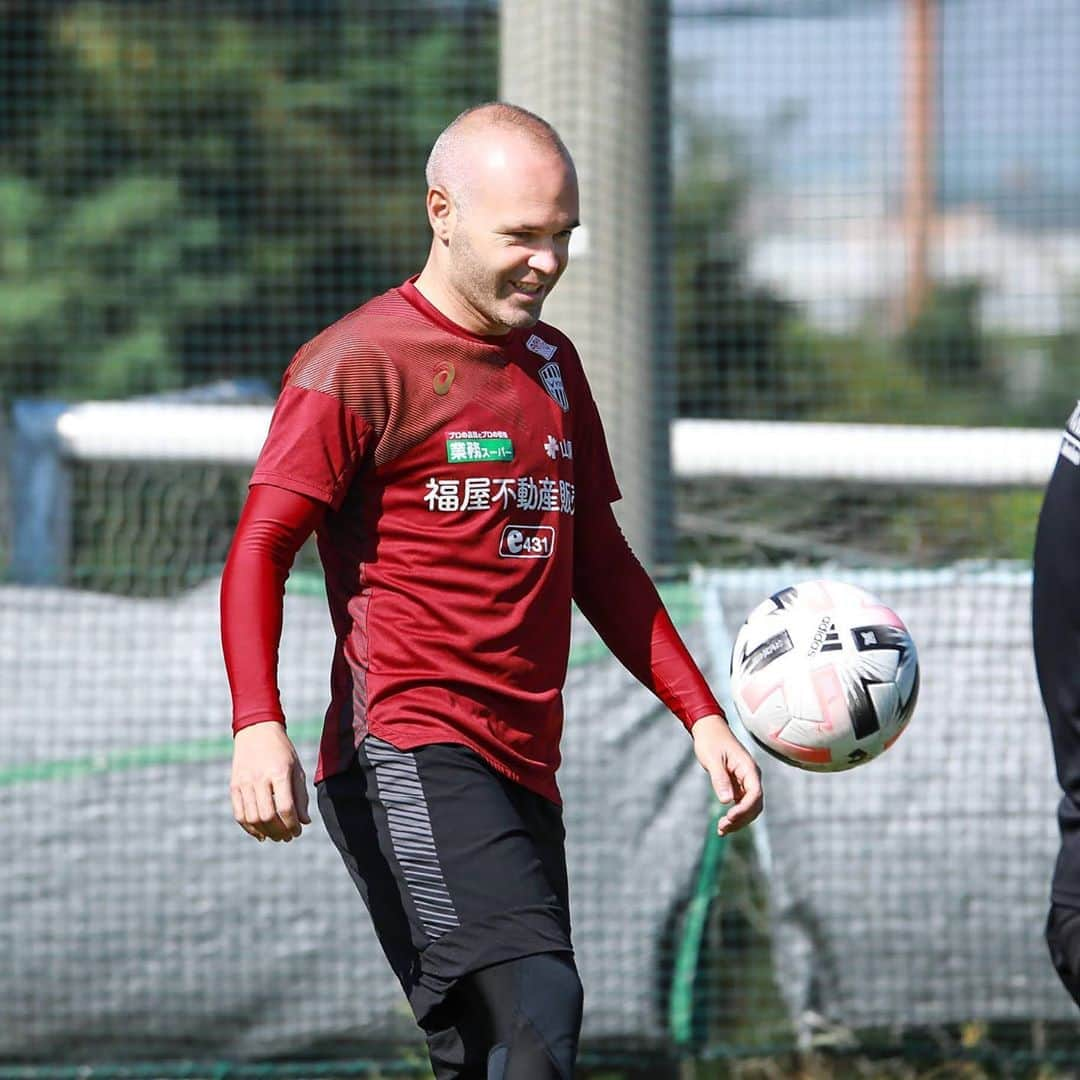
(502, 201)
(477, 137)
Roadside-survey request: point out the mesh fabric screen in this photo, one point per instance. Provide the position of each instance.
(188, 192)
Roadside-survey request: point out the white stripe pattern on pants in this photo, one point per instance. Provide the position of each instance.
(399, 788)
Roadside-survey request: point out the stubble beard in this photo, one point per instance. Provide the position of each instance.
(480, 288)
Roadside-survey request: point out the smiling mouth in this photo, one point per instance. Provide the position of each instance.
(527, 289)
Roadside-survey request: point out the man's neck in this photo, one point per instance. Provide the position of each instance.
(432, 287)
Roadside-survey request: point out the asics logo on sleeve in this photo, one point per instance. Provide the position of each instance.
(443, 379)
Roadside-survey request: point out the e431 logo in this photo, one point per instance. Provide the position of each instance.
(527, 542)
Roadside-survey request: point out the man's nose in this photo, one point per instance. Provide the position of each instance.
(544, 260)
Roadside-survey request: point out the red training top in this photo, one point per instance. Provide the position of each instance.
(460, 488)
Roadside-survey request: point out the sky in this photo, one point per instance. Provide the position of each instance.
(819, 98)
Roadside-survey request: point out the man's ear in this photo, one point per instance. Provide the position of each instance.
(441, 213)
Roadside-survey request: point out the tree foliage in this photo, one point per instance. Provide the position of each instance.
(185, 197)
(740, 352)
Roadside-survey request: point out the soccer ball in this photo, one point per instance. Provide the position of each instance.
(824, 675)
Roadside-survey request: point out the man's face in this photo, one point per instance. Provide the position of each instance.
(510, 240)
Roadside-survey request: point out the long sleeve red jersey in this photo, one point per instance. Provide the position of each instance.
(460, 489)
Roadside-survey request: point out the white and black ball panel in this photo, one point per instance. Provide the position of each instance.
(824, 675)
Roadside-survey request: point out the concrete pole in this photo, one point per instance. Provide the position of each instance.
(597, 70)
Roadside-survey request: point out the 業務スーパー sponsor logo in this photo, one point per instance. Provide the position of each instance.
(480, 449)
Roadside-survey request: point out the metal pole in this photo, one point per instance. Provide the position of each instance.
(40, 495)
(918, 160)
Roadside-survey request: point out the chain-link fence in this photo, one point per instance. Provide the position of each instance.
(858, 211)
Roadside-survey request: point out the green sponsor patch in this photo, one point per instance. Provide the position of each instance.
(459, 451)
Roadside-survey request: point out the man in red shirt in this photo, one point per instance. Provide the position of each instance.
(443, 445)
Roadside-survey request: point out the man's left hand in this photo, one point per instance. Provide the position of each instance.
(735, 776)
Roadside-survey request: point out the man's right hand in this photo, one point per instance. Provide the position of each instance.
(268, 786)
